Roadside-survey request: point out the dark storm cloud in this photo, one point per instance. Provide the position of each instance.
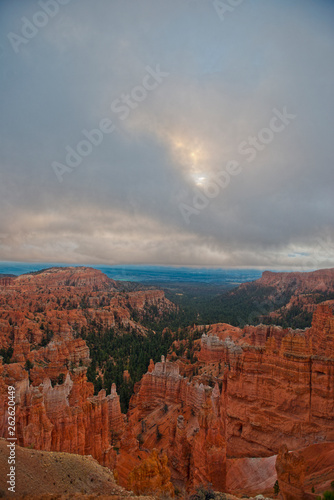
(225, 77)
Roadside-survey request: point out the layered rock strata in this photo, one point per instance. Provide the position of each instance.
(66, 417)
(264, 394)
(181, 419)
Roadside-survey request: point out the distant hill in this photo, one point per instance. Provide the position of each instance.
(283, 298)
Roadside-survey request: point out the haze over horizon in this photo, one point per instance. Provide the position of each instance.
(212, 142)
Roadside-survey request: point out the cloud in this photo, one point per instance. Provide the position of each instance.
(122, 203)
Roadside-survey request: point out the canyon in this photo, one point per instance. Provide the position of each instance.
(253, 405)
(41, 317)
(256, 390)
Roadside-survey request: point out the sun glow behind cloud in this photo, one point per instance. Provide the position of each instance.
(192, 158)
(224, 80)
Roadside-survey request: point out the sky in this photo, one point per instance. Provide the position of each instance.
(187, 132)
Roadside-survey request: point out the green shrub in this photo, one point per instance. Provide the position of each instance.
(29, 365)
(276, 488)
(327, 495)
(159, 435)
(7, 355)
(203, 493)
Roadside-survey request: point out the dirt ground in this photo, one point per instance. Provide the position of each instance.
(53, 475)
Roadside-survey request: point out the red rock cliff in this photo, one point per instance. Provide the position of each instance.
(66, 417)
(181, 419)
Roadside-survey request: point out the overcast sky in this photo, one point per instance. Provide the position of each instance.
(217, 126)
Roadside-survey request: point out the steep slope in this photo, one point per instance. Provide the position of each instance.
(305, 471)
(44, 473)
(60, 300)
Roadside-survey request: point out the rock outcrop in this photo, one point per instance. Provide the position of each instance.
(152, 476)
(321, 333)
(181, 419)
(6, 281)
(280, 392)
(301, 282)
(66, 417)
(291, 473)
(249, 476)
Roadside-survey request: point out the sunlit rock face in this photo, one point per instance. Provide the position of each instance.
(63, 301)
(66, 417)
(169, 413)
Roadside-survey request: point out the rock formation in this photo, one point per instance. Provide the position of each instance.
(64, 301)
(152, 476)
(66, 417)
(282, 297)
(315, 281)
(249, 476)
(291, 473)
(181, 419)
(279, 392)
(270, 389)
(322, 332)
(41, 317)
(6, 281)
